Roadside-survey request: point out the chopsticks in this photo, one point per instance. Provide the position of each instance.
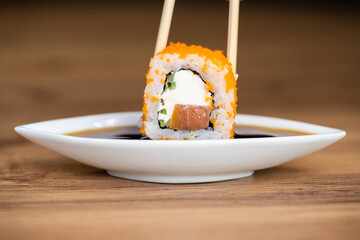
(233, 25)
(165, 23)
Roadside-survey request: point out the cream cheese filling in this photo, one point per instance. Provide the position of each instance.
(186, 88)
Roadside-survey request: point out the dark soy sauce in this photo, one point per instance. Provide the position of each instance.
(133, 133)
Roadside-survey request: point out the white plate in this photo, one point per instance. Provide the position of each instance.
(178, 161)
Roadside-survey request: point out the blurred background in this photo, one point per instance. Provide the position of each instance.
(296, 59)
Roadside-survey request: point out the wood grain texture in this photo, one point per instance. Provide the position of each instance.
(294, 62)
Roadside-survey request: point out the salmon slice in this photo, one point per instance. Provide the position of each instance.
(190, 117)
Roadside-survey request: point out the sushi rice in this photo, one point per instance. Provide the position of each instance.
(189, 76)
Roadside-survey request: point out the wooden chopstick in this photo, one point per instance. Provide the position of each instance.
(165, 23)
(233, 26)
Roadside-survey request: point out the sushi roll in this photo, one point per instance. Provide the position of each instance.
(190, 94)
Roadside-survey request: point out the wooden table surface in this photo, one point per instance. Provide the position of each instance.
(297, 61)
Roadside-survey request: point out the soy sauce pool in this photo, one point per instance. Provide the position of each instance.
(133, 133)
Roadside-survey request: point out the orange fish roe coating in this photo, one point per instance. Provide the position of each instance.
(143, 116)
(155, 99)
(204, 68)
(147, 74)
(209, 87)
(230, 81)
(210, 101)
(233, 105)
